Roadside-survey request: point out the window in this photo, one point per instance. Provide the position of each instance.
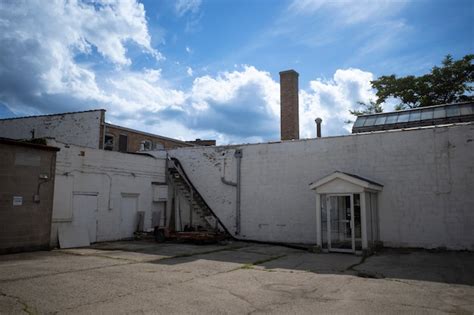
(403, 117)
(146, 145)
(415, 115)
(380, 120)
(109, 142)
(360, 121)
(427, 114)
(391, 119)
(370, 121)
(123, 143)
(452, 111)
(467, 109)
(439, 113)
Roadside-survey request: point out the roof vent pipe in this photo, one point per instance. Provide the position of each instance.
(318, 127)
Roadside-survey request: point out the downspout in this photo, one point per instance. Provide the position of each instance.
(168, 182)
(238, 156)
(237, 185)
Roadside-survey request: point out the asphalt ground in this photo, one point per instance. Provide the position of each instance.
(235, 278)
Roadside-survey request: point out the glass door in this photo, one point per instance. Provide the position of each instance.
(340, 223)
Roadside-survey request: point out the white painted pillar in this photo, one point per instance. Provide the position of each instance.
(319, 241)
(375, 208)
(363, 219)
(177, 222)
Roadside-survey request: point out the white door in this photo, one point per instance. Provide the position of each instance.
(84, 207)
(128, 215)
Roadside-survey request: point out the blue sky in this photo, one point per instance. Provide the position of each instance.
(209, 69)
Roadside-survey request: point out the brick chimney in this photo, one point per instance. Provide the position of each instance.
(289, 119)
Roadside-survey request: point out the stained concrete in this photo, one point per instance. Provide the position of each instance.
(129, 277)
(427, 176)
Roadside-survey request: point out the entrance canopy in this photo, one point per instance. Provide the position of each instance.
(340, 182)
(346, 212)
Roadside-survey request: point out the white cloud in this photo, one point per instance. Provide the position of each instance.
(225, 87)
(39, 73)
(381, 36)
(187, 6)
(189, 71)
(244, 106)
(332, 99)
(306, 6)
(40, 39)
(188, 50)
(348, 12)
(131, 92)
(323, 23)
(189, 10)
(232, 107)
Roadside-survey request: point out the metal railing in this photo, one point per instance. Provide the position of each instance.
(176, 164)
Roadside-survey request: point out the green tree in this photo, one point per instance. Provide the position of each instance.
(450, 83)
(367, 108)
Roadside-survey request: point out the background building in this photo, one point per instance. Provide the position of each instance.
(103, 196)
(88, 129)
(123, 139)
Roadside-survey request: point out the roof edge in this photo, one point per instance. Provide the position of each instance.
(416, 109)
(58, 114)
(28, 144)
(148, 134)
(351, 178)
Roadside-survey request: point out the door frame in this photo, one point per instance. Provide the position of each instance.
(95, 211)
(328, 222)
(137, 203)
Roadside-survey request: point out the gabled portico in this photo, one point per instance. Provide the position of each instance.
(346, 212)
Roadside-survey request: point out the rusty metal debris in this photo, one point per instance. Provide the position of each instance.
(164, 234)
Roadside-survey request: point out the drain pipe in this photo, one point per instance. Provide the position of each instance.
(237, 185)
(238, 156)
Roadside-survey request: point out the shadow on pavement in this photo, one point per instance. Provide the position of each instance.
(408, 264)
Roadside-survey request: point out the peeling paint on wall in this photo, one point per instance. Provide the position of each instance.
(427, 173)
(79, 128)
(112, 177)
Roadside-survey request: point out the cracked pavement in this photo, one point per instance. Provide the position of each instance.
(146, 277)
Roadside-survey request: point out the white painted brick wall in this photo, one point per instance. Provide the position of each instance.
(92, 172)
(428, 178)
(81, 128)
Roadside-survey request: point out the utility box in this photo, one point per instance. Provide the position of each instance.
(160, 192)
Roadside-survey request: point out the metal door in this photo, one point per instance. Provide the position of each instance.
(84, 207)
(128, 215)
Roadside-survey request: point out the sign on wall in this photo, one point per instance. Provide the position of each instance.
(17, 200)
(160, 192)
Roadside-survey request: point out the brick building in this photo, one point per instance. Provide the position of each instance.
(88, 129)
(202, 142)
(118, 138)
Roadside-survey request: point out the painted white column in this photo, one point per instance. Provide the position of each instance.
(375, 208)
(319, 241)
(363, 219)
(177, 222)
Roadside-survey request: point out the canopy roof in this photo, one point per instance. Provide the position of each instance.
(356, 183)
